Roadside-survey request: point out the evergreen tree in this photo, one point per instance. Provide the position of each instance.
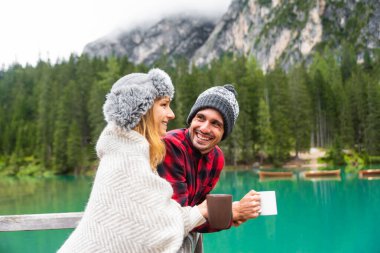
(181, 82)
(249, 88)
(372, 126)
(84, 83)
(264, 141)
(357, 95)
(277, 84)
(300, 107)
(325, 120)
(75, 151)
(44, 133)
(61, 131)
(97, 97)
(348, 60)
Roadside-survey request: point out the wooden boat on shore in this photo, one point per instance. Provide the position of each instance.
(370, 174)
(276, 174)
(322, 173)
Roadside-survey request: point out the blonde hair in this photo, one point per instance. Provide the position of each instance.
(147, 128)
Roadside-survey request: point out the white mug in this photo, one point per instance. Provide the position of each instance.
(268, 203)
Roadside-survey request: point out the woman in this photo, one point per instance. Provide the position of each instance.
(130, 207)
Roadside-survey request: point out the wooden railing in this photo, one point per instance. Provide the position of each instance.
(27, 222)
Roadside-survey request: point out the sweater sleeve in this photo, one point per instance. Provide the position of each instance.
(191, 216)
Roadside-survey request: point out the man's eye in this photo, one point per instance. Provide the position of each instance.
(217, 125)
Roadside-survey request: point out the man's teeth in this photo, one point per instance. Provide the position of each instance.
(203, 138)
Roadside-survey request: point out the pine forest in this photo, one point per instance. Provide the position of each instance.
(51, 114)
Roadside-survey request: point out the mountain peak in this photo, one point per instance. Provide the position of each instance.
(273, 31)
(178, 35)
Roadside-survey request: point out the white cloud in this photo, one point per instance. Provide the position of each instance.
(33, 29)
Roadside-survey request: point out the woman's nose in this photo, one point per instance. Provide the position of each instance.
(171, 114)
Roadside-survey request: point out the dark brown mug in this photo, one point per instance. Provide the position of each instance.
(219, 208)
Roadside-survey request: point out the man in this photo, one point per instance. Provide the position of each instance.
(193, 160)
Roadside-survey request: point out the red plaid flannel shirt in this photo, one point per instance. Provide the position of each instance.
(191, 174)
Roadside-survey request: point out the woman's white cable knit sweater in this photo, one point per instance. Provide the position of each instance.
(130, 208)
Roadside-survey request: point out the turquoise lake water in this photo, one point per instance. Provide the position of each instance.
(336, 215)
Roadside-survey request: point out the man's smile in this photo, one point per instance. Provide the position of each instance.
(203, 137)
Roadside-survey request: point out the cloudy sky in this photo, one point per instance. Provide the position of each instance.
(42, 29)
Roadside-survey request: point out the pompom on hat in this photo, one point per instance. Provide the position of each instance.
(133, 95)
(222, 99)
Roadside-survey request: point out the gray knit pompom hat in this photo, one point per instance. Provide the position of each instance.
(133, 95)
(222, 99)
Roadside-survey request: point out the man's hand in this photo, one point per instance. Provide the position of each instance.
(247, 208)
(238, 223)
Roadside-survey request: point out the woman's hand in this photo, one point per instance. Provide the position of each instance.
(203, 209)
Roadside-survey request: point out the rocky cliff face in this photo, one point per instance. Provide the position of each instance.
(285, 32)
(358, 22)
(273, 31)
(175, 36)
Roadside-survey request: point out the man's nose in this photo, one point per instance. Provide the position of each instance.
(205, 127)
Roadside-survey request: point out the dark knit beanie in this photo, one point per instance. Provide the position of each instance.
(222, 99)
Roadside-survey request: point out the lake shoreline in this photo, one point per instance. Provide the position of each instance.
(304, 161)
